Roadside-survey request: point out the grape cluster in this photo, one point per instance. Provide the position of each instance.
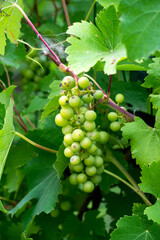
(81, 137)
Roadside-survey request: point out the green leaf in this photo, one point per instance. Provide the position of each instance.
(152, 80)
(144, 141)
(51, 107)
(126, 65)
(107, 3)
(10, 24)
(157, 123)
(155, 99)
(138, 25)
(151, 184)
(92, 43)
(55, 89)
(36, 104)
(131, 228)
(62, 161)
(2, 209)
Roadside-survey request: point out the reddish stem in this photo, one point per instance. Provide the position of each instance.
(66, 12)
(109, 87)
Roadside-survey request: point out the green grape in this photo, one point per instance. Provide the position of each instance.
(93, 149)
(89, 161)
(55, 213)
(87, 98)
(82, 110)
(77, 135)
(78, 167)
(85, 154)
(75, 91)
(65, 144)
(68, 152)
(60, 121)
(96, 179)
(90, 115)
(81, 178)
(91, 170)
(99, 152)
(115, 126)
(119, 98)
(89, 126)
(112, 116)
(74, 101)
(29, 74)
(65, 206)
(67, 112)
(67, 129)
(76, 146)
(94, 136)
(37, 79)
(88, 187)
(73, 178)
(98, 94)
(80, 117)
(85, 143)
(100, 170)
(62, 92)
(103, 137)
(63, 101)
(83, 82)
(98, 161)
(68, 138)
(68, 83)
(74, 160)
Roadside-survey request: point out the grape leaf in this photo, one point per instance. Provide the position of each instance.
(10, 24)
(107, 3)
(151, 184)
(144, 141)
(92, 43)
(140, 31)
(157, 123)
(55, 89)
(36, 104)
(152, 80)
(155, 99)
(51, 106)
(61, 162)
(131, 228)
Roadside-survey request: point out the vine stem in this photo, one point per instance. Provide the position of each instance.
(35, 144)
(90, 10)
(8, 200)
(66, 12)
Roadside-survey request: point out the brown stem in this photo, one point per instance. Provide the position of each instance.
(109, 87)
(19, 122)
(66, 12)
(29, 121)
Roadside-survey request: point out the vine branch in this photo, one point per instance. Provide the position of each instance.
(66, 12)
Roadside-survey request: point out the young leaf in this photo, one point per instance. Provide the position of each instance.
(10, 23)
(61, 162)
(151, 184)
(131, 228)
(140, 31)
(144, 141)
(92, 43)
(51, 107)
(107, 3)
(36, 104)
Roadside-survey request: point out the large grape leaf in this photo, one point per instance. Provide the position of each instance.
(36, 104)
(144, 141)
(132, 228)
(140, 28)
(107, 3)
(9, 23)
(61, 161)
(92, 43)
(155, 99)
(151, 184)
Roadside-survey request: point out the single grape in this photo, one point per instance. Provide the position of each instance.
(29, 74)
(82, 110)
(78, 167)
(67, 129)
(67, 112)
(74, 160)
(98, 94)
(62, 92)
(85, 154)
(83, 82)
(73, 178)
(88, 187)
(68, 138)
(119, 98)
(75, 91)
(89, 161)
(68, 152)
(85, 143)
(89, 126)
(37, 79)
(81, 178)
(96, 179)
(74, 101)
(60, 121)
(93, 149)
(65, 206)
(77, 135)
(115, 126)
(100, 170)
(87, 98)
(94, 136)
(76, 146)
(68, 83)
(91, 170)
(55, 213)
(98, 161)
(63, 101)
(103, 137)
(112, 116)
(90, 115)
(80, 117)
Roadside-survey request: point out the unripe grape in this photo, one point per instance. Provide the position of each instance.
(74, 160)
(65, 144)
(93, 149)
(65, 206)
(94, 136)
(89, 161)
(73, 178)
(99, 152)
(91, 170)
(68, 138)
(80, 117)
(75, 91)
(74, 101)
(67, 129)
(96, 179)
(67, 112)
(68, 82)
(87, 98)
(68, 152)
(83, 82)
(90, 115)
(81, 178)
(62, 92)
(85, 155)
(63, 101)
(88, 187)
(82, 110)
(37, 79)
(98, 161)
(100, 170)
(77, 135)
(60, 121)
(76, 146)
(85, 143)
(78, 167)
(112, 116)
(55, 213)
(29, 74)
(115, 126)
(89, 126)
(98, 94)
(103, 137)
(119, 98)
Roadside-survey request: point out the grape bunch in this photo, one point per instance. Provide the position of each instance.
(82, 140)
